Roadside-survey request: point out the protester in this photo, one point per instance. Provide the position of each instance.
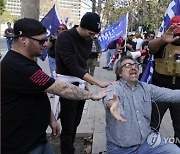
(144, 59)
(128, 113)
(72, 51)
(51, 50)
(9, 35)
(26, 111)
(138, 40)
(93, 57)
(146, 40)
(112, 49)
(166, 50)
(129, 45)
(51, 47)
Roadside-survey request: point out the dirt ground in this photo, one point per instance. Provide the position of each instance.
(81, 145)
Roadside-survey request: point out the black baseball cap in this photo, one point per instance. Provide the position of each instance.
(28, 27)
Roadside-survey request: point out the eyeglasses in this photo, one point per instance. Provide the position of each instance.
(41, 42)
(130, 65)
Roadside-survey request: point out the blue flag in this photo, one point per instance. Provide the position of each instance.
(148, 72)
(51, 22)
(172, 10)
(113, 32)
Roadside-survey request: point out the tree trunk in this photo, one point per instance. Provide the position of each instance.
(99, 7)
(94, 6)
(30, 9)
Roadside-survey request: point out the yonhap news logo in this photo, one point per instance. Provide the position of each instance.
(172, 140)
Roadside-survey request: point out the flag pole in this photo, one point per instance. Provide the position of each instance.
(56, 10)
(126, 30)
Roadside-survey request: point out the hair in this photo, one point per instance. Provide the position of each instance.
(118, 68)
(64, 26)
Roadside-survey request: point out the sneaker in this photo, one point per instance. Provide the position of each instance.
(110, 68)
(106, 67)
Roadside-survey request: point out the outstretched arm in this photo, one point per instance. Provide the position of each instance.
(70, 91)
(114, 108)
(87, 77)
(167, 37)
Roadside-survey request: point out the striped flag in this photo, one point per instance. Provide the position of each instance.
(172, 10)
(148, 72)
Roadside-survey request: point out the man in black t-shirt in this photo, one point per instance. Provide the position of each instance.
(129, 46)
(166, 50)
(26, 111)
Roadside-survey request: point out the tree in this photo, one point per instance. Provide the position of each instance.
(6, 16)
(148, 14)
(2, 6)
(30, 9)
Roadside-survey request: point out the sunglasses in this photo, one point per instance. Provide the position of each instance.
(130, 65)
(61, 29)
(41, 42)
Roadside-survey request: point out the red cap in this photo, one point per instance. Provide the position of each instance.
(176, 21)
(64, 26)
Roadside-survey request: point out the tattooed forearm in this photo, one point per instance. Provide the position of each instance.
(70, 91)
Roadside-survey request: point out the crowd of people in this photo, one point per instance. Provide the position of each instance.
(73, 55)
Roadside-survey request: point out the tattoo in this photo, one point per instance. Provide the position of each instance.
(71, 91)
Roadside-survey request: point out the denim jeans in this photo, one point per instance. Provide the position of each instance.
(9, 43)
(109, 54)
(52, 65)
(43, 149)
(163, 148)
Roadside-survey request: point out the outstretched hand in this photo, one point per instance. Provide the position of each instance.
(105, 84)
(100, 95)
(115, 109)
(168, 36)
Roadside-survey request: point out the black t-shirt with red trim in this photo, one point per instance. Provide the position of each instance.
(25, 107)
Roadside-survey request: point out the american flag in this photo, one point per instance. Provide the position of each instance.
(148, 72)
(172, 10)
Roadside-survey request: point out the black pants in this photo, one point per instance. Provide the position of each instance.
(165, 81)
(70, 116)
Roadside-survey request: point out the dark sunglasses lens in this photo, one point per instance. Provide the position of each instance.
(60, 28)
(41, 42)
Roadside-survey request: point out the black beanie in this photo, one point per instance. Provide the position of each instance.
(91, 21)
(28, 27)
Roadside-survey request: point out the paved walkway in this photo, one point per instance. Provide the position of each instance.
(93, 120)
